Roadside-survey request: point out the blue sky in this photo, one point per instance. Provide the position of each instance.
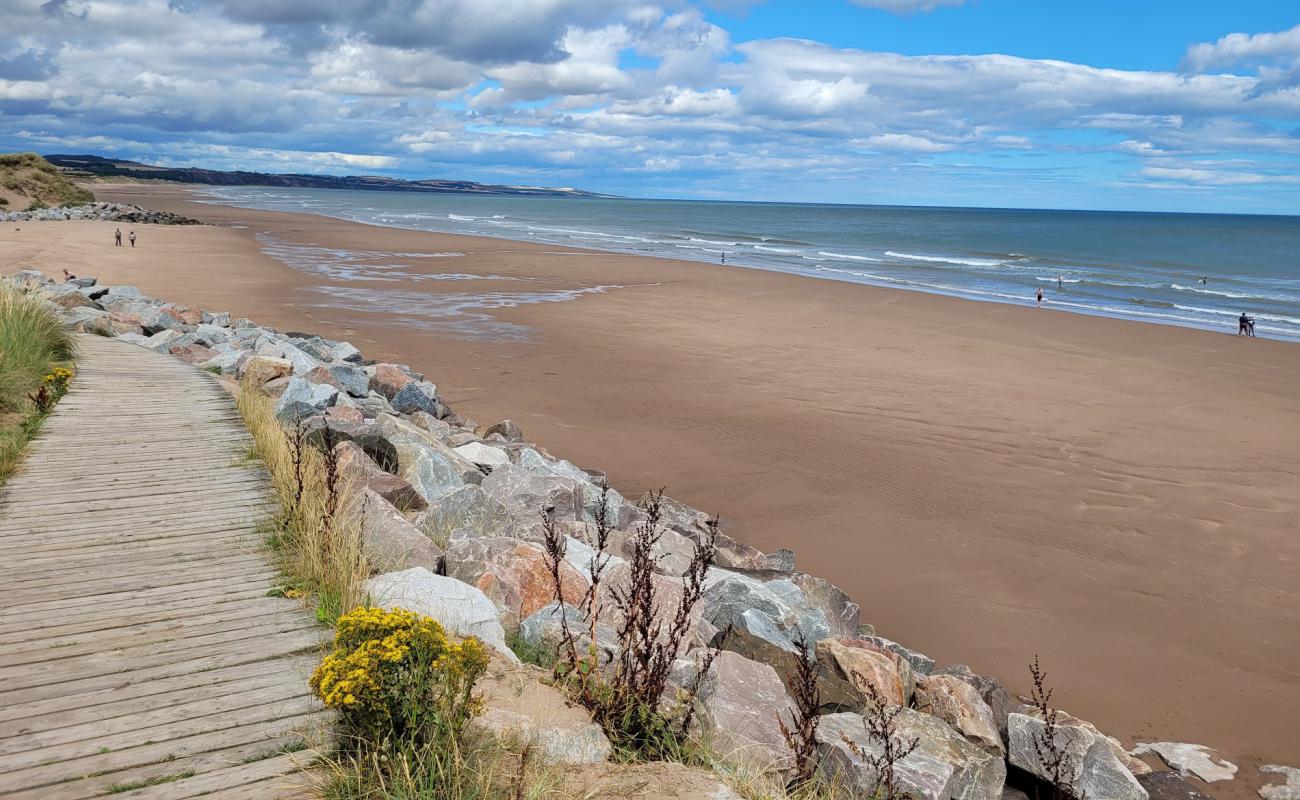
(1172, 106)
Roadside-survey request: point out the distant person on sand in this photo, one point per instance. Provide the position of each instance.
(1040, 295)
(132, 238)
(1245, 325)
(117, 237)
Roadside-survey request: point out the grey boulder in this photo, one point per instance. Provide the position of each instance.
(302, 399)
(417, 396)
(944, 766)
(1091, 761)
(388, 541)
(467, 509)
(738, 704)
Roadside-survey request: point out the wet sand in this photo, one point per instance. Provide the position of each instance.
(988, 481)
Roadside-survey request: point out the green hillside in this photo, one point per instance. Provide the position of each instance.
(29, 181)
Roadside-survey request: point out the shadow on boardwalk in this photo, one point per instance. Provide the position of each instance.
(139, 651)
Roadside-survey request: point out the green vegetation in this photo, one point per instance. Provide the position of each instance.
(295, 746)
(28, 181)
(33, 344)
(118, 788)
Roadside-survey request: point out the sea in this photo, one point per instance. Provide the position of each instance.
(1193, 270)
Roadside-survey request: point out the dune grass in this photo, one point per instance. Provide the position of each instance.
(318, 548)
(43, 184)
(32, 343)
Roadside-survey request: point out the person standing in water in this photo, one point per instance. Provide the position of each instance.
(1060, 281)
(132, 238)
(1040, 295)
(724, 258)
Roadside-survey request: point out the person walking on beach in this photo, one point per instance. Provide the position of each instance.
(1040, 295)
(132, 238)
(1245, 325)
(117, 237)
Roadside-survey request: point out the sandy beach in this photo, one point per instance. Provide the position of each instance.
(990, 482)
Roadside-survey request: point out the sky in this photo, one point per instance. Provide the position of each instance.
(1155, 105)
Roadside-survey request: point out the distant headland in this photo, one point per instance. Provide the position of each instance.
(98, 168)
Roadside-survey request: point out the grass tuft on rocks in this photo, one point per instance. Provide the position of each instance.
(33, 343)
(318, 550)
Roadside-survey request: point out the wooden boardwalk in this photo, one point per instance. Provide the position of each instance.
(139, 652)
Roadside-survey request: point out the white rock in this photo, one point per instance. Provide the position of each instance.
(483, 454)
(461, 609)
(1194, 759)
(1281, 791)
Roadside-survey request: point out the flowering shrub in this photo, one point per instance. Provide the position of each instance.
(52, 387)
(58, 380)
(395, 677)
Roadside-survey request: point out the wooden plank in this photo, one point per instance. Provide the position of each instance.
(154, 654)
(207, 596)
(121, 638)
(127, 596)
(262, 712)
(256, 604)
(141, 691)
(126, 726)
(242, 778)
(98, 784)
(213, 657)
(127, 758)
(107, 718)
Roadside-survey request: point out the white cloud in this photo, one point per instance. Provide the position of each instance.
(1236, 48)
(1214, 177)
(903, 143)
(1137, 148)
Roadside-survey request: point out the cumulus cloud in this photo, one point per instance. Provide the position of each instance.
(589, 91)
(1236, 48)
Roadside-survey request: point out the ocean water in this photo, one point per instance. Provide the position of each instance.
(1134, 265)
